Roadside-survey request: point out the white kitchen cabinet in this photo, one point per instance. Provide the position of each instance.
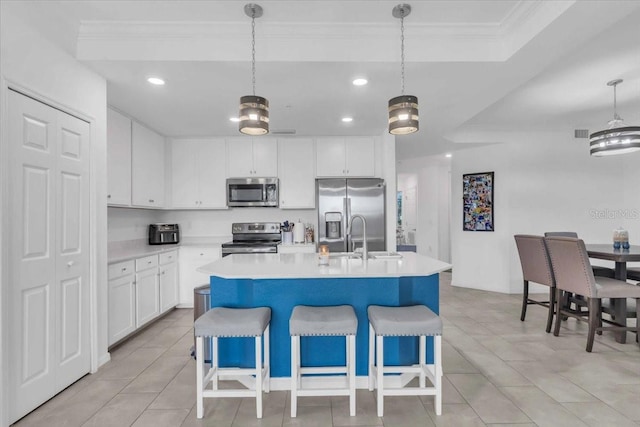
(297, 174)
(198, 173)
(147, 166)
(168, 270)
(345, 157)
(118, 159)
(252, 157)
(192, 257)
(122, 307)
(147, 290)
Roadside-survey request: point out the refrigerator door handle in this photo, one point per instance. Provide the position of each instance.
(347, 217)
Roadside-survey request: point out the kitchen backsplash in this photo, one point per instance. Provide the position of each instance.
(128, 224)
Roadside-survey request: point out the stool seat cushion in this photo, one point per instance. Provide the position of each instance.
(232, 322)
(404, 321)
(322, 321)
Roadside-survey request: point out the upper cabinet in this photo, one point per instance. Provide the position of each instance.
(249, 157)
(296, 173)
(118, 159)
(198, 173)
(345, 157)
(147, 161)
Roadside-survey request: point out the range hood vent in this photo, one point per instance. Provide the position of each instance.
(581, 133)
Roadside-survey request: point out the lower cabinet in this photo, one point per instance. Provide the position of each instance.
(191, 258)
(139, 291)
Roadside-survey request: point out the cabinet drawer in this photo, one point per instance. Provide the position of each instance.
(167, 257)
(147, 262)
(120, 269)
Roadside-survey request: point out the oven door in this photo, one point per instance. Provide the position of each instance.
(263, 249)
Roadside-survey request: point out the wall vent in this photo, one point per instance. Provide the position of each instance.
(283, 132)
(581, 133)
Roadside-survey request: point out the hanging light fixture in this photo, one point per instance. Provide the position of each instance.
(618, 138)
(254, 110)
(403, 109)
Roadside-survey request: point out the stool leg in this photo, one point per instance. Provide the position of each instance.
(295, 353)
(371, 357)
(423, 359)
(438, 373)
(380, 373)
(199, 377)
(267, 361)
(351, 347)
(214, 363)
(258, 340)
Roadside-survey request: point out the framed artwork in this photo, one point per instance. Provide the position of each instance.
(477, 202)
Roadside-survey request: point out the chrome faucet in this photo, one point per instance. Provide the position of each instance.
(365, 252)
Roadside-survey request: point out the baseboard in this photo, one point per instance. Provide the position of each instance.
(105, 358)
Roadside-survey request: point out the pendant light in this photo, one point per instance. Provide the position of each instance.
(403, 109)
(618, 138)
(254, 110)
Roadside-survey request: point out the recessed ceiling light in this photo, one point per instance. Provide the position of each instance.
(155, 81)
(347, 119)
(448, 155)
(234, 119)
(360, 81)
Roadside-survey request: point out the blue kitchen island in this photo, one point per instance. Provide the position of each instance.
(282, 281)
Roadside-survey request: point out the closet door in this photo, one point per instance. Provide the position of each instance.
(49, 257)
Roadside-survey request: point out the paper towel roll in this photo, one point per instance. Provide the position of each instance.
(298, 233)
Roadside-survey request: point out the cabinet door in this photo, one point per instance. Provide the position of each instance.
(296, 173)
(118, 159)
(330, 157)
(147, 163)
(184, 180)
(210, 164)
(147, 298)
(191, 258)
(168, 286)
(360, 157)
(122, 319)
(265, 157)
(240, 158)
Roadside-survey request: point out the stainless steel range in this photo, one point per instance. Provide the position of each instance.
(252, 238)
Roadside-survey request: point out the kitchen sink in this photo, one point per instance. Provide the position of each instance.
(384, 255)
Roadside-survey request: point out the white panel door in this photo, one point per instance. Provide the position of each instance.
(72, 241)
(48, 263)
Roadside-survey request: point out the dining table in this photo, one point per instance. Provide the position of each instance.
(620, 256)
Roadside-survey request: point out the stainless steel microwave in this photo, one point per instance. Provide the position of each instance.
(252, 192)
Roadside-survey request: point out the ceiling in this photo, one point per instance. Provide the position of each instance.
(481, 69)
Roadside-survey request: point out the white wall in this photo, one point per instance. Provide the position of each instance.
(543, 184)
(433, 219)
(30, 63)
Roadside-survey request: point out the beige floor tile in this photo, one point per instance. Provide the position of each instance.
(623, 398)
(122, 410)
(366, 410)
(598, 414)
(156, 377)
(486, 399)
(180, 393)
(168, 336)
(542, 409)
(309, 416)
(456, 414)
(494, 368)
(161, 418)
(130, 366)
(273, 410)
(453, 362)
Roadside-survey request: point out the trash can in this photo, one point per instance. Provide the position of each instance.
(202, 304)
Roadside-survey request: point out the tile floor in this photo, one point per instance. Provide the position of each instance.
(498, 372)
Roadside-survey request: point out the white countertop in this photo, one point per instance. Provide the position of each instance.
(305, 265)
(130, 249)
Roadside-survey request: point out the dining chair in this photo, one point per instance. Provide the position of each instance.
(572, 272)
(536, 268)
(597, 270)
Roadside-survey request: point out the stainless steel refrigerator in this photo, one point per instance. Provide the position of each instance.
(338, 199)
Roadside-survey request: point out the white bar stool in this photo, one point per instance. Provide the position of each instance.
(323, 321)
(232, 322)
(416, 321)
